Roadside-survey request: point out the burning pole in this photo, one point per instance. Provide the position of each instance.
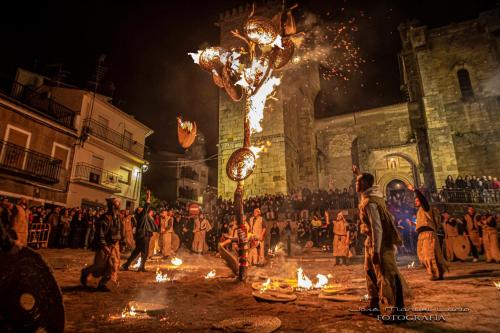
(247, 72)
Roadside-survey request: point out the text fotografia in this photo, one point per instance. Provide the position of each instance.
(401, 317)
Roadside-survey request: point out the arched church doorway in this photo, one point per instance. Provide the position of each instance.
(397, 194)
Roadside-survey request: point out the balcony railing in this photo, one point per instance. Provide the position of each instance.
(98, 176)
(189, 173)
(43, 105)
(485, 196)
(113, 137)
(28, 163)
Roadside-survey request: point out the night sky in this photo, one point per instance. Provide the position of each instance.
(146, 43)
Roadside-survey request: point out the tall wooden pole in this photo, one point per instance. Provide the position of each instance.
(238, 206)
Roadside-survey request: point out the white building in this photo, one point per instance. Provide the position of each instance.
(109, 158)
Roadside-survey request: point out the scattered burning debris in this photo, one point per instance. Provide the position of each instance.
(303, 282)
(210, 275)
(176, 261)
(322, 281)
(160, 278)
(129, 312)
(137, 263)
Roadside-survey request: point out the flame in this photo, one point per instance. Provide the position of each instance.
(129, 312)
(138, 263)
(303, 282)
(365, 297)
(257, 102)
(176, 261)
(266, 285)
(160, 278)
(411, 265)
(256, 150)
(497, 284)
(185, 124)
(322, 281)
(210, 275)
(196, 56)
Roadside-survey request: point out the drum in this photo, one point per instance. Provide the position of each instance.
(176, 242)
(461, 247)
(253, 242)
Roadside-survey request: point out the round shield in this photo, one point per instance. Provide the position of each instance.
(461, 247)
(274, 296)
(340, 298)
(249, 324)
(231, 260)
(31, 298)
(176, 242)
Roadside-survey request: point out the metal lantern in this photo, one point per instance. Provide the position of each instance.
(241, 164)
(261, 30)
(186, 132)
(210, 58)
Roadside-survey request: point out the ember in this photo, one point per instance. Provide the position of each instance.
(497, 284)
(210, 275)
(129, 312)
(266, 285)
(138, 263)
(160, 278)
(303, 282)
(176, 261)
(322, 281)
(411, 265)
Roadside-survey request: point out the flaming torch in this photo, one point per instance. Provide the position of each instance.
(248, 72)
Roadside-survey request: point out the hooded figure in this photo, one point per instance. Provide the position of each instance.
(106, 241)
(428, 247)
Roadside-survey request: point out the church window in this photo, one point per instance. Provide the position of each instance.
(465, 84)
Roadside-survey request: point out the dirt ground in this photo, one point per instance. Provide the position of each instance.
(194, 304)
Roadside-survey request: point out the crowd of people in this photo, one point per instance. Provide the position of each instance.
(470, 189)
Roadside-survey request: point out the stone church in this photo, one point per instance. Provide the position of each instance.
(449, 125)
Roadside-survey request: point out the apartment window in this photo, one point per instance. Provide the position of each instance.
(15, 157)
(61, 152)
(102, 128)
(126, 175)
(465, 84)
(127, 139)
(95, 173)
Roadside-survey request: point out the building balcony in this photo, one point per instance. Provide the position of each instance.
(43, 105)
(93, 127)
(96, 177)
(19, 161)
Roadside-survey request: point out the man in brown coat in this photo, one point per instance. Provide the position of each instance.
(488, 226)
(107, 238)
(472, 231)
(19, 222)
(340, 240)
(166, 231)
(386, 286)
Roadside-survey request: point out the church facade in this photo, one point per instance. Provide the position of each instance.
(449, 124)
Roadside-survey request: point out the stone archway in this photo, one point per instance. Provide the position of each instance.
(389, 177)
